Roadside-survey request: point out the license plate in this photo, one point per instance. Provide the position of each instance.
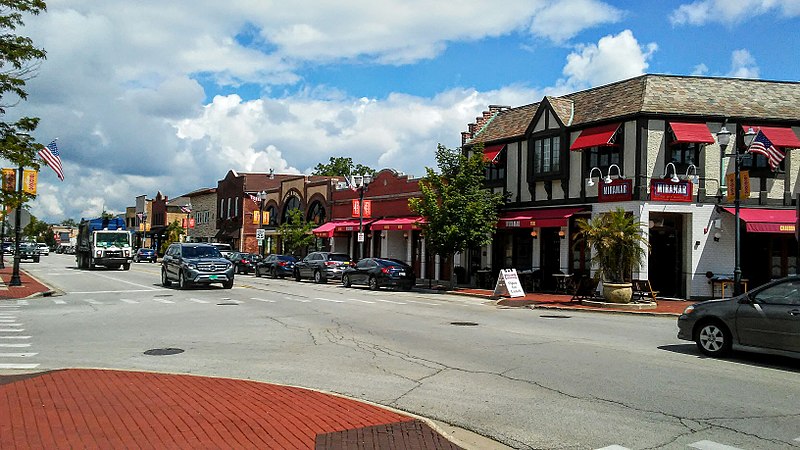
(402, 274)
(212, 277)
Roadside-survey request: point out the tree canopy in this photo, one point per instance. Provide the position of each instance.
(341, 167)
(459, 212)
(296, 232)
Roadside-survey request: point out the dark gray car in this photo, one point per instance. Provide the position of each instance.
(195, 263)
(766, 319)
(321, 266)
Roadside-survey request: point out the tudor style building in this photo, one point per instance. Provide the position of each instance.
(647, 145)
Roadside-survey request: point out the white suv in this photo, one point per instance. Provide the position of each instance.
(44, 250)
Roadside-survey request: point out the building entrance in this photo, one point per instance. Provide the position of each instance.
(666, 250)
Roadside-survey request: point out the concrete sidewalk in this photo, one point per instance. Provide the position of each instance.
(31, 287)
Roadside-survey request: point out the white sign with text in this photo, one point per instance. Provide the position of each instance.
(508, 284)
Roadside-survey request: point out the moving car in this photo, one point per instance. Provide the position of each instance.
(145, 254)
(43, 249)
(765, 319)
(244, 262)
(276, 266)
(378, 272)
(29, 250)
(189, 263)
(321, 266)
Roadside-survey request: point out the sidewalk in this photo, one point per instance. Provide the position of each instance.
(30, 286)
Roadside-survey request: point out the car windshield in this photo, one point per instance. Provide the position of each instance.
(201, 252)
(112, 239)
(287, 258)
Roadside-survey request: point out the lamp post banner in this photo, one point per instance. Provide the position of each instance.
(9, 180)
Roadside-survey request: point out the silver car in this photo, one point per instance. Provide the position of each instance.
(766, 319)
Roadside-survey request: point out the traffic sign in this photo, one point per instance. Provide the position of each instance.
(261, 233)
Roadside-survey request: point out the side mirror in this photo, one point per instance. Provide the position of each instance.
(745, 300)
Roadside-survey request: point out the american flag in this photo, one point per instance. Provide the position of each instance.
(140, 216)
(52, 157)
(253, 198)
(186, 209)
(762, 145)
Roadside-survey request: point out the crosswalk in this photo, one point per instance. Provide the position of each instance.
(15, 345)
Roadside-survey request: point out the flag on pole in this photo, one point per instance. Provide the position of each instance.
(763, 146)
(254, 198)
(52, 157)
(186, 209)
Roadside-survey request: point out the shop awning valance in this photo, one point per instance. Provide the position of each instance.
(758, 220)
(531, 218)
(779, 136)
(696, 133)
(601, 136)
(398, 223)
(491, 152)
(338, 226)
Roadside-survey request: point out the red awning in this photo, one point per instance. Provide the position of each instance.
(595, 137)
(691, 133)
(490, 153)
(530, 218)
(779, 136)
(337, 226)
(767, 220)
(324, 230)
(398, 223)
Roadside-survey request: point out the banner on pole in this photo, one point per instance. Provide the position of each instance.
(9, 180)
(29, 181)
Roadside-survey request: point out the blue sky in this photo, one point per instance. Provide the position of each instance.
(151, 96)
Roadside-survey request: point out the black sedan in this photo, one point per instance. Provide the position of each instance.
(765, 319)
(244, 262)
(378, 272)
(145, 254)
(276, 266)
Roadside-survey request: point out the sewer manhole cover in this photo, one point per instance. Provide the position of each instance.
(554, 316)
(163, 351)
(464, 324)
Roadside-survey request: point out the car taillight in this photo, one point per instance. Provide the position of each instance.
(282, 263)
(330, 263)
(386, 270)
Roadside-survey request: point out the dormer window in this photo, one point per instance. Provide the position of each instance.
(547, 155)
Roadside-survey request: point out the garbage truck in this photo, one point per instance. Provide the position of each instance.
(103, 242)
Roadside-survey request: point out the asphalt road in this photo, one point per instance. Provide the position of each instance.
(527, 378)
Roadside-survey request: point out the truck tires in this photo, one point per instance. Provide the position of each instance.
(126, 267)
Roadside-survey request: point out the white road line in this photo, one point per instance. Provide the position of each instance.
(11, 324)
(197, 300)
(15, 337)
(362, 301)
(296, 299)
(162, 300)
(390, 301)
(8, 320)
(614, 447)
(18, 366)
(14, 345)
(328, 300)
(22, 302)
(262, 300)
(711, 445)
(423, 303)
(17, 355)
(9, 306)
(11, 330)
(59, 301)
(230, 300)
(127, 300)
(797, 439)
(92, 301)
(118, 280)
(126, 291)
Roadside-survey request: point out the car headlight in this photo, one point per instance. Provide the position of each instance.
(191, 266)
(689, 309)
(99, 253)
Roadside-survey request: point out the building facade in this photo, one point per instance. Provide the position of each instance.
(647, 145)
(203, 203)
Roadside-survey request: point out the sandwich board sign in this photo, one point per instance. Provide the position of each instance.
(508, 284)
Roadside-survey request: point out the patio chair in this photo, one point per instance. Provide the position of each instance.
(585, 289)
(643, 290)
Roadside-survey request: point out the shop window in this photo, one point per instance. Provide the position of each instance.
(602, 157)
(291, 203)
(683, 155)
(316, 213)
(758, 165)
(547, 156)
(496, 170)
(273, 218)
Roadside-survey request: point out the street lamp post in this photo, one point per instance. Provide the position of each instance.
(15, 279)
(188, 210)
(262, 196)
(144, 228)
(361, 182)
(723, 139)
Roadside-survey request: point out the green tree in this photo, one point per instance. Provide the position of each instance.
(296, 233)
(173, 234)
(35, 230)
(618, 241)
(69, 223)
(341, 167)
(459, 212)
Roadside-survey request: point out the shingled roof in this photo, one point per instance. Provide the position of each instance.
(732, 98)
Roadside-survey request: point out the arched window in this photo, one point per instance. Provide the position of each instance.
(316, 213)
(273, 217)
(291, 203)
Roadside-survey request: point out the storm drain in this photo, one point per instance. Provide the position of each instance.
(227, 304)
(464, 324)
(163, 351)
(163, 295)
(554, 316)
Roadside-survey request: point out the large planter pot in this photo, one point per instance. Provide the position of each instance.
(617, 292)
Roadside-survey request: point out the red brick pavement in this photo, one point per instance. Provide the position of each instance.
(79, 408)
(30, 286)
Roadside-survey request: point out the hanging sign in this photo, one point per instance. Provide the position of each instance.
(667, 191)
(29, 181)
(9, 180)
(367, 210)
(256, 217)
(619, 190)
(744, 185)
(191, 222)
(508, 284)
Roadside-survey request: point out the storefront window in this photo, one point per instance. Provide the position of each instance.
(603, 157)
(496, 171)
(683, 155)
(547, 155)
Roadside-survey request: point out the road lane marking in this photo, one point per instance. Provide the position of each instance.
(423, 303)
(162, 300)
(127, 300)
(15, 337)
(11, 330)
(22, 302)
(9, 306)
(197, 300)
(92, 301)
(126, 291)
(362, 301)
(8, 320)
(711, 445)
(390, 301)
(296, 299)
(59, 301)
(262, 300)
(328, 300)
(17, 355)
(614, 447)
(14, 345)
(225, 299)
(18, 366)
(119, 280)
(11, 324)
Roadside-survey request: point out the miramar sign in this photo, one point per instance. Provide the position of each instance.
(668, 191)
(620, 190)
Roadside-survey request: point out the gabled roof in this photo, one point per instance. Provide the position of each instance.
(563, 108)
(506, 124)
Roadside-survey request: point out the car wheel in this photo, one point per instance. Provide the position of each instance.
(126, 267)
(346, 281)
(373, 283)
(318, 277)
(273, 273)
(182, 284)
(228, 284)
(258, 272)
(136, 259)
(713, 339)
(296, 275)
(164, 280)
(35, 260)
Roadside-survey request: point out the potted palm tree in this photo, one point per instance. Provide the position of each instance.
(618, 245)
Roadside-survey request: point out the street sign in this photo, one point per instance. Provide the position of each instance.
(260, 242)
(360, 237)
(261, 233)
(508, 284)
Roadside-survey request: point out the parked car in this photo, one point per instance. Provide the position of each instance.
(8, 248)
(378, 272)
(189, 263)
(765, 319)
(224, 249)
(29, 250)
(276, 266)
(244, 263)
(44, 250)
(145, 254)
(321, 266)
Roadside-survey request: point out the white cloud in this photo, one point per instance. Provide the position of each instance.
(562, 20)
(700, 69)
(613, 58)
(731, 11)
(743, 65)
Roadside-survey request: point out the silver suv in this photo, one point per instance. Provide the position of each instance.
(321, 266)
(189, 264)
